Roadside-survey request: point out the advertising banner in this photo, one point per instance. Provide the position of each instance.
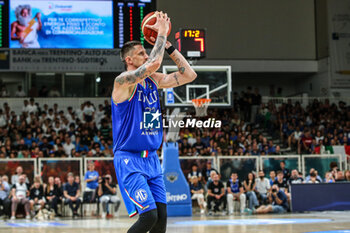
(56, 60)
(320, 197)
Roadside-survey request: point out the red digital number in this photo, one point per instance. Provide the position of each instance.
(201, 41)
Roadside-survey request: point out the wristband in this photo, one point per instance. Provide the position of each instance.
(170, 50)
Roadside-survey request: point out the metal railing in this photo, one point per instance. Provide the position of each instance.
(242, 165)
(321, 163)
(272, 162)
(29, 165)
(224, 164)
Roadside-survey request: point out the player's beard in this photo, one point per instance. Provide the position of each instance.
(24, 20)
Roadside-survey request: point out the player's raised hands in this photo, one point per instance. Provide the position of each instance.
(162, 24)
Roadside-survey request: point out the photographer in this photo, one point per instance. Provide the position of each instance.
(108, 194)
(278, 200)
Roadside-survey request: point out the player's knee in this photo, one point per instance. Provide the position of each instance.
(149, 218)
(160, 226)
(145, 222)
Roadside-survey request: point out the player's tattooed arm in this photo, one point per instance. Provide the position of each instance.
(158, 49)
(185, 73)
(151, 65)
(179, 65)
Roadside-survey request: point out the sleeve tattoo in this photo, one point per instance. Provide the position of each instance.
(177, 80)
(179, 65)
(140, 73)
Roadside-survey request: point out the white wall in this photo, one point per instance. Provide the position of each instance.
(287, 81)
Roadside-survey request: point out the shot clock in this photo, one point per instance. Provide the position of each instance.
(191, 42)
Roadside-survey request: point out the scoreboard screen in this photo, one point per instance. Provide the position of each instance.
(61, 24)
(191, 42)
(69, 24)
(128, 16)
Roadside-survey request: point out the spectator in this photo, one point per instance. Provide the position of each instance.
(105, 130)
(4, 92)
(15, 178)
(197, 193)
(100, 113)
(194, 172)
(43, 92)
(347, 175)
(32, 108)
(216, 194)
(294, 138)
(305, 144)
(262, 186)
(295, 178)
(68, 146)
(256, 102)
(312, 170)
(329, 178)
(20, 92)
(3, 121)
(25, 106)
(91, 179)
(52, 194)
(59, 185)
(340, 177)
(207, 170)
(36, 196)
(235, 192)
(198, 145)
(212, 174)
(33, 92)
(88, 112)
(19, 196)
(77, 180)
(273, 177)
(54, 92)
(277, 151)
(108, 194)
(278, 200)
(281, 182)
(286, 172)
(5, 202)
(313, 178)
(71, 192)
(249, 187)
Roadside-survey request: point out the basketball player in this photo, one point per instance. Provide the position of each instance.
(137, 126)
(25, 28)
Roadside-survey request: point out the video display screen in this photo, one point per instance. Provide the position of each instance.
(128, 17)
(61, 24)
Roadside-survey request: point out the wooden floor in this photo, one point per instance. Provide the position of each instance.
(287, 223)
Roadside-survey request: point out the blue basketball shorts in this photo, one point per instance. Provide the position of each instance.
(140, 180)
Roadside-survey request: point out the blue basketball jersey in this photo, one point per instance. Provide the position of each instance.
(137, 122)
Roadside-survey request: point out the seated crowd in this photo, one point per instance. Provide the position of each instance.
(315, 129)
(253, 195)
(39, 197)
(48, 131)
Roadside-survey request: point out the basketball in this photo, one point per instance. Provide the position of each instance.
(150, 19)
